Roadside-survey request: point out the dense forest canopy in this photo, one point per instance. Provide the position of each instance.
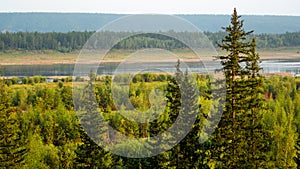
(52, 137)
(67, 42)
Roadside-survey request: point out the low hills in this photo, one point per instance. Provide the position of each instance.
(66, 22)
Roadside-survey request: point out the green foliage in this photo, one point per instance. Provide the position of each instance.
(260, 127)
(240, 139)
(12, 150)
(283, 122)
(45, 123)
(68, 42)
(89, 154)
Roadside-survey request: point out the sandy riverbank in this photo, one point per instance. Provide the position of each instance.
(72, 58)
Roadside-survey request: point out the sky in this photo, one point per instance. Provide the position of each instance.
(251, 7)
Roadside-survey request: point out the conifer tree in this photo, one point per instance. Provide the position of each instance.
(239, 136)
(191, 108)
(172, 157)
(182, 98)
(90, 154)
(257, 136)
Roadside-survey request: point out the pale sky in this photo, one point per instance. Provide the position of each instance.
(253, 7)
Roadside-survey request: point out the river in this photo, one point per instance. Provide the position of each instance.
(269, 66)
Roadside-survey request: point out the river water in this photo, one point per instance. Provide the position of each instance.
(269, 66)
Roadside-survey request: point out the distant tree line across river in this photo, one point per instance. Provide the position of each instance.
(68, 42)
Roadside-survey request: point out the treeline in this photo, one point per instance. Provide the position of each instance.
(63, 42)
(288, 39)
(67, 42)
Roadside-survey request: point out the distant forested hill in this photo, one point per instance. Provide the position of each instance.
(66, 22)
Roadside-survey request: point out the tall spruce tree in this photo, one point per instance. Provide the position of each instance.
(257, 144)
(182, 98)
(238, 138)
(89, 154)
(172, 157)
(190, 146)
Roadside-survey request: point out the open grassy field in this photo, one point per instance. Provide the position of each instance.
(54, 57)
